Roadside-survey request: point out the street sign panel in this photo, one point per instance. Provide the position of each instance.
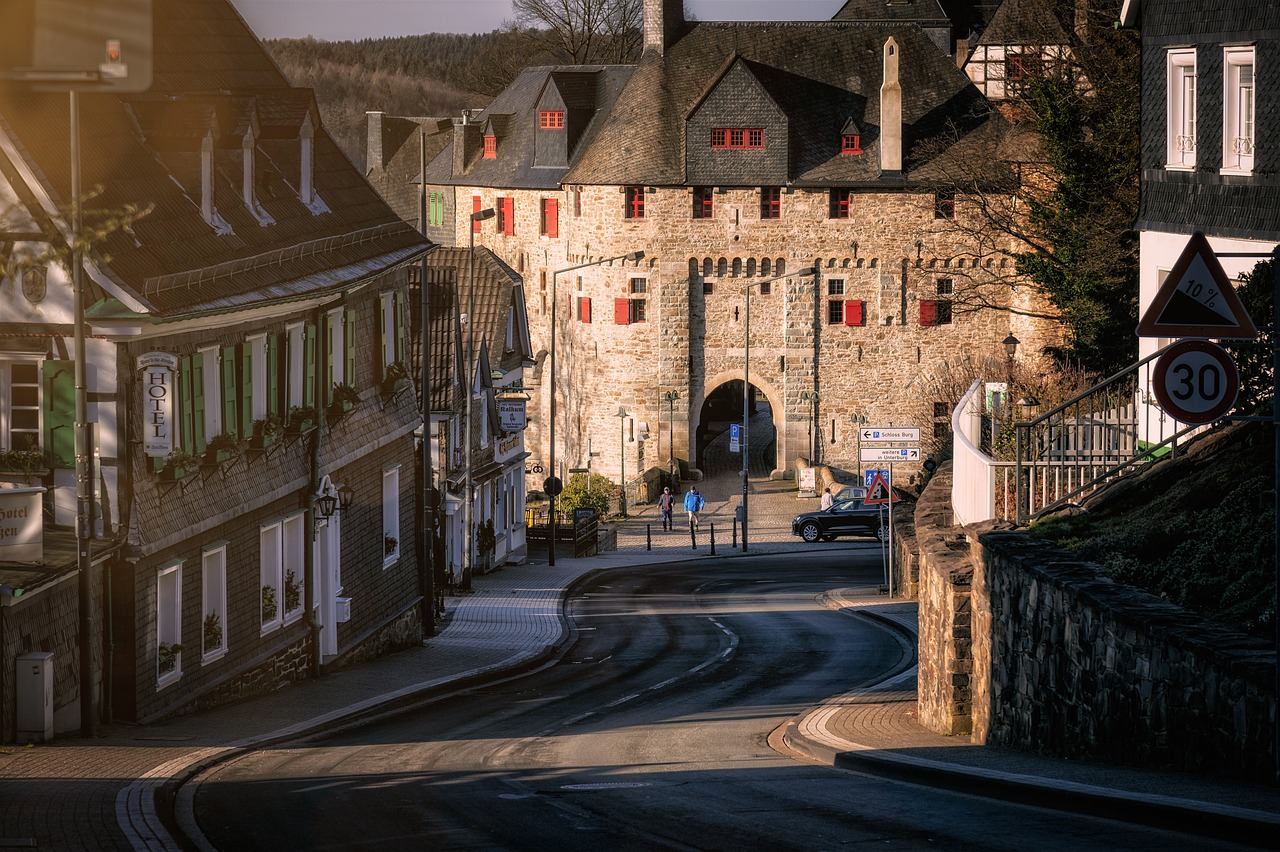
(879, 492)
(1196, 381)
(870, 476)
(895, 434)
(735, 437)
(1197, 300)
(890, 454)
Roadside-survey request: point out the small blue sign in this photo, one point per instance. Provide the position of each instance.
(871, 474)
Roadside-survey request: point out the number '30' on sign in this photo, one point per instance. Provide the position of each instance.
(1196, 381)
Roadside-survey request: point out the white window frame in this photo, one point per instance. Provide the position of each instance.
(258, 374)
(169, 619)
(391, 513)
(6, 397)
(1239, 110)
(271, 572)
(293, 543)
(213, 587)
(1181, 99)
(212, 358)
(295, 351)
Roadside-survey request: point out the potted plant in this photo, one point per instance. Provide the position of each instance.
(167, 657)
(265, 432)
(301, 420)
(179, 465)
(292, 592)
(220, 449)
(269, 605)
(344, 398)
(486, 542)
(212, 632)
(26, 463)
(389, 545)
(395, 378)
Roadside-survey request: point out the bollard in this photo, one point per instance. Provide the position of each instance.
(693, 535)
(735, 533)
(713, 539)
(648, 536)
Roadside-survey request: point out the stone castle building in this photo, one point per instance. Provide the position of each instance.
(737, 155)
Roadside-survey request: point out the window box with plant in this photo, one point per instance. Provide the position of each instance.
(395, 378)
(179, 465)
(300, 420)
(167, 657)
(265, 432)
(212, 634)
(220, 449)
(30, 463)
(344, 397)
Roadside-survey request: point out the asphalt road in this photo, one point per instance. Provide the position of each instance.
(653, 731)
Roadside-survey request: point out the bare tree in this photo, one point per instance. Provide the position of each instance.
(582, 32)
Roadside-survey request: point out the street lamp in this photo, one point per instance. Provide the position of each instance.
(622, 459)
(670, 398)
(746, 384)
(555, 316)
(468, 510)
(858, 421)
(811, 397)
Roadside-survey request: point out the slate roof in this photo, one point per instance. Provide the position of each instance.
(821, 74)
(498, 294)
(404, 141)
(919, 11)
(513, 115)
(1024, 22)
(211, 75)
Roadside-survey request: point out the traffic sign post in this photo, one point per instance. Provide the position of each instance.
(735, 437)
(1196, 381)
(1197, 300)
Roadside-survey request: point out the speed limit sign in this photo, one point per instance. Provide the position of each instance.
(1196, 381)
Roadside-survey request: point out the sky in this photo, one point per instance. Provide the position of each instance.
(341, 20)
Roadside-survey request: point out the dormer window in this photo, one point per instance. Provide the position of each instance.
(850, 143)
(491, 147)
(551, 119)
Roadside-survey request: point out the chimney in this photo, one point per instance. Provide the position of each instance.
(663, 23)
(206, 178)
(373, 149)
(306, 182)
(890, 114)
(466, 142)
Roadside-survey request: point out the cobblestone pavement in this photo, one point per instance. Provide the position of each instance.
(101, 793)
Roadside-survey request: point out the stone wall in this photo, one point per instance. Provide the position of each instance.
(1029, 648)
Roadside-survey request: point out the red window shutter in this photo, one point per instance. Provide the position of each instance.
(584, 309)
(475, 208)
(553, 218)
(509, 216)
(490, 147)
(622, 312)
(853, 312)
(928, 312)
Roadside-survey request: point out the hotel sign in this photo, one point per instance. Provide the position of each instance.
(21, 527)
(159, 373)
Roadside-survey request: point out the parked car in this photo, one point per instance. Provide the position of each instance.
(845, 517)
(851, 492)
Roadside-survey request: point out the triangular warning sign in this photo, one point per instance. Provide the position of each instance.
(1197, 300)
(879, 492)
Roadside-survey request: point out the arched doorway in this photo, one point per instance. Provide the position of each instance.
(720, 410)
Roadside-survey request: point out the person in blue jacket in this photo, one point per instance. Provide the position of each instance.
(693, 504)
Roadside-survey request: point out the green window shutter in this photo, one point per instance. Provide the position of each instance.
(186, 422)
(246, 390)
(349, 346)
(60, 412)
(309, 366)
(326, 339)
(230, 394)
(402, 352)
(274, 385)
(380, 346)
(198, 437)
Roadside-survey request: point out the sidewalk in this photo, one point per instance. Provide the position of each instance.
(102, 793)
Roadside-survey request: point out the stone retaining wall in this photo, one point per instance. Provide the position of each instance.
(1026, 647)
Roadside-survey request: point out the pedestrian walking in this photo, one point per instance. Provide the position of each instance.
(827, 500)
(667, 503)
(693, 504)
